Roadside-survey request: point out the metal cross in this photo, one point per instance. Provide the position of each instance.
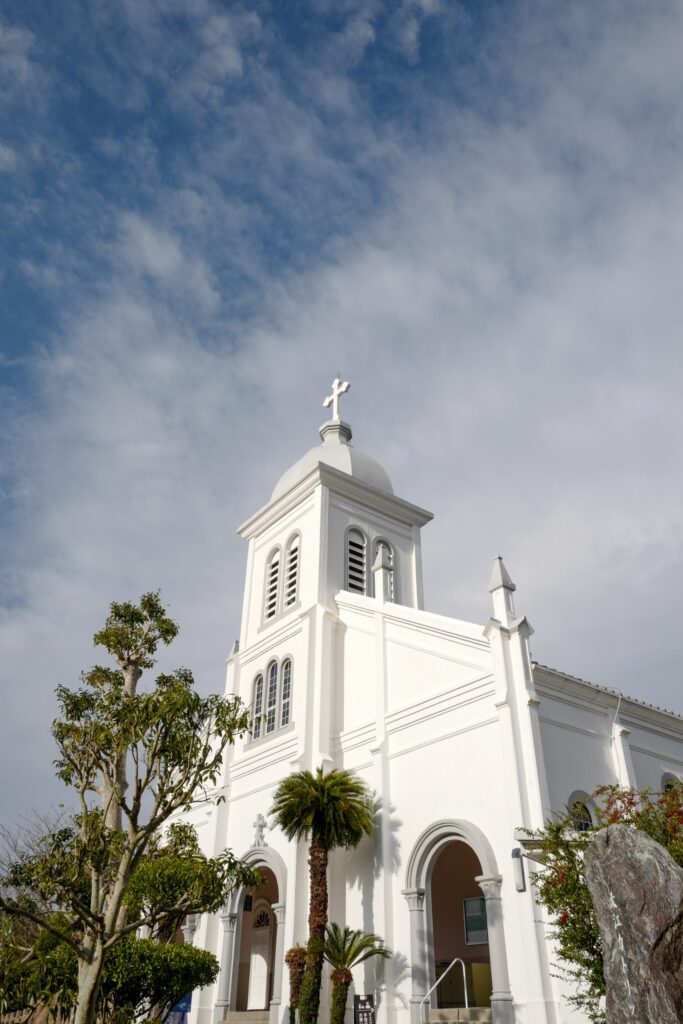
(260, 826)
(339, 387)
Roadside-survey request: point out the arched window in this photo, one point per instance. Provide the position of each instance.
(582, 819)
(257, 707)
(384, 548)
(271, 698)
(272, 585)
(286, 692)
(292, 571)
(356, 573)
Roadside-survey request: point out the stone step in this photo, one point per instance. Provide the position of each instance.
(459, 1013)
(246, 1017)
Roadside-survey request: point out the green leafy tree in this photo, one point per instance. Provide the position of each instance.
(140, 978)
(330, 810)
(343, 949)
(561, 887)
(133, 760)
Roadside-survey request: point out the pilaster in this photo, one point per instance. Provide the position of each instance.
(501, 996)
(228, 926)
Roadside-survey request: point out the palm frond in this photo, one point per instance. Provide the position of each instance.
(347, 947)
(335, 807)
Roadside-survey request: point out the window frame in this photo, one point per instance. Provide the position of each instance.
(277, 707)
(285, 703)
(376, 544)
(579, 796)
(256, 718)
(472, 941)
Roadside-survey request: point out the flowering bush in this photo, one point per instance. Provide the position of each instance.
(561, 888)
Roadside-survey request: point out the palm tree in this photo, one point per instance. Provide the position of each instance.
(333, 810)
(343, 950)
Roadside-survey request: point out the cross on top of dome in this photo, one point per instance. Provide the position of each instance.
(339, 388)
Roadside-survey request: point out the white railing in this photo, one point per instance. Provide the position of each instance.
(439, 980)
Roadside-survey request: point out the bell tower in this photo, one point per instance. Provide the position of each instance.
(332, 519)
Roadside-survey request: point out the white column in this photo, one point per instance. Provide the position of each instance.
(415, 898)
(622, 755)
(502, 1010)
(228, 921)
(381, 571)
(274, 1011)
(189, 927)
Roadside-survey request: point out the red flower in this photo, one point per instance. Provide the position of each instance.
(564, 917)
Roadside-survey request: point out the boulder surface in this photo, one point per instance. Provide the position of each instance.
(637, 892)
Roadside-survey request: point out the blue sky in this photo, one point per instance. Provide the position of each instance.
(475, 211)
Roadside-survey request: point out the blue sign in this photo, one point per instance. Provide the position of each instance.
(184, 1005)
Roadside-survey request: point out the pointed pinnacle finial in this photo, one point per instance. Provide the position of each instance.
(500, 576)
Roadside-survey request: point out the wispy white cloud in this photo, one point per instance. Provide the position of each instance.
(500, 285)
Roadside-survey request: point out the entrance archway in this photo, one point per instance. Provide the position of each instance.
(465, 849)
(258, 930)
(252, 953)
(459, 929)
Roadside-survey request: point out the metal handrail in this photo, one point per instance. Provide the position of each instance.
(439, 980)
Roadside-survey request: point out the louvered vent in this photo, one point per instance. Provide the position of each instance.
(271, 586)
(292, 573)
(356, 562)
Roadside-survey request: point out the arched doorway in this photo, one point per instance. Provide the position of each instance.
(258, 932)
(252, 946)
(427, 885)
(459, 928)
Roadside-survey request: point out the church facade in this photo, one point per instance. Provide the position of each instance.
(463, 741)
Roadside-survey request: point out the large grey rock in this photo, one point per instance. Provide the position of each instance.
(637, 891)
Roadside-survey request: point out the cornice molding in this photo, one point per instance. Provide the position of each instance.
(341, 484)
(559, 684)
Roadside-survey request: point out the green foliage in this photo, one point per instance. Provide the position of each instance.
(561, 888)
(142, 975)
(343, 949)
(35, 967)
(175, 875)
(332, 810)
(133, 759)
(132, 632)
(295, 958)
(334, 807)
(309, 993)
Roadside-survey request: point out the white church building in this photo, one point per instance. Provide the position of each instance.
(462, 739)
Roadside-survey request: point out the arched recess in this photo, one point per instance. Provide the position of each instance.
(231, 917)
(418, 896)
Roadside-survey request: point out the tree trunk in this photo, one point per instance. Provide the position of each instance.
(309, 998)
(340, 995)
(89, 977)
(114, 817)
(317, 911)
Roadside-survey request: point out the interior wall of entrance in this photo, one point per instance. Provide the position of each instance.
(418, 894)
(258, 936)
(458, 929)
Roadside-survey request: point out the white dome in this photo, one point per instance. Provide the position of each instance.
(335, 451)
